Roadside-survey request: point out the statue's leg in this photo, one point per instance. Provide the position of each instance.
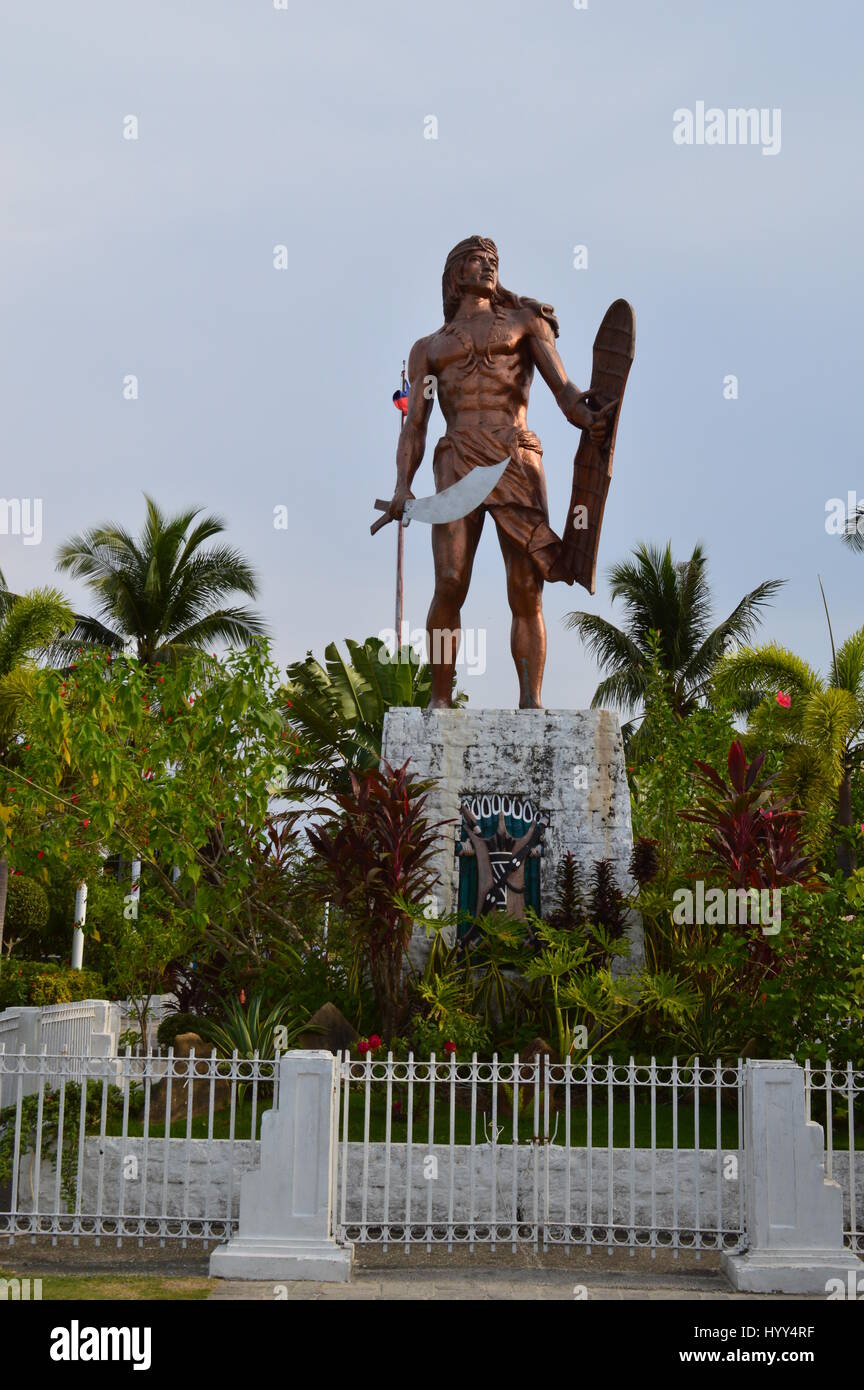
(453, 549)
(527, 629)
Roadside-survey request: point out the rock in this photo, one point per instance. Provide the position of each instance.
(538, 1047)
(184, 1045)
(327, 1030)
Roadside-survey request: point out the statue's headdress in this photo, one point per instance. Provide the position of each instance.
(450, 279)
(471, 243)
(450, 288)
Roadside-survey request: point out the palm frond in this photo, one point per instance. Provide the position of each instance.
(850, 664)
(30, 624)
(162, 591)
(853, 534)
(763, 671)
(667, 615)
(738, 627)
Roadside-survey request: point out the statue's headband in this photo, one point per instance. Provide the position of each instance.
(471, 243)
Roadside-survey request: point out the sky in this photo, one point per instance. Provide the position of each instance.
(306, 127)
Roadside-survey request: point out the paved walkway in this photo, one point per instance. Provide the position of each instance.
(484, 1284)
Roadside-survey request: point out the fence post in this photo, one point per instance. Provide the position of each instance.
(286, 1205)
(794, 1214)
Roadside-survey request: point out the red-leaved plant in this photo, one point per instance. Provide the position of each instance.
(376, 850)
(751, 841)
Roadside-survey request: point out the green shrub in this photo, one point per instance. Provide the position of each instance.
(172, 1024)
(37, 983)
(249, 1030)
(812, 1002)
(26, 910)
(463, 1030)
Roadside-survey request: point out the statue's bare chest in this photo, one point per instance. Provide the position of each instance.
(485, 341)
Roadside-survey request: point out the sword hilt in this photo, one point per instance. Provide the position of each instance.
(381, 506)
(382, 520)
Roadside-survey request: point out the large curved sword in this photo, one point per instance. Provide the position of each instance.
(451, 503)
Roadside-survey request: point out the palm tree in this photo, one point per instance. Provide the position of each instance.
(853, 533)
(816, 723)
(161, 591)
(29, 624)
(668, 604)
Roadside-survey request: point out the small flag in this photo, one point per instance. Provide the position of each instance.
(400, 398)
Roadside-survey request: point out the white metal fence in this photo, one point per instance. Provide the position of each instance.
(432, 1153)
(830, 1094)
(84, 1028)
(591, 1154)
(150, 1146)
(66, 1029)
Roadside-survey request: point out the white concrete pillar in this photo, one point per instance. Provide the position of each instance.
(794, 1214)
(77, 933)
(133, 897)
(286, 1205)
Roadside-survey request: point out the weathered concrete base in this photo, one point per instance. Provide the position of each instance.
(791, 1271)
(248, 1258)
(570, 763)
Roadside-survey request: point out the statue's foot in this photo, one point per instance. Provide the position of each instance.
(530, 704)
(440, 704)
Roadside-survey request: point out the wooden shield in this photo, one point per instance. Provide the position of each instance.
(614, 347)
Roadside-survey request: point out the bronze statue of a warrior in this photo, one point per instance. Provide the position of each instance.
(480, 364)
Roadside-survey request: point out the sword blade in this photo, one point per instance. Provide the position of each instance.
(456, 501)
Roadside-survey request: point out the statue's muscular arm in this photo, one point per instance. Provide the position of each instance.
(571, 401)
(412, 436)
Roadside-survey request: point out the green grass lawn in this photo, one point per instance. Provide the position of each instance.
(243, 1128)
(621, 1124)
(462, 1123)
(110, 1287)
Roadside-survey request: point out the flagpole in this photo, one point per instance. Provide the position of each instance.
(400, 548)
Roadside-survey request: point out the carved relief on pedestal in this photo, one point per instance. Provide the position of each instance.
(499, 849)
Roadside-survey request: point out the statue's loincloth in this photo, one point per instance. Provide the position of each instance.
(518, 503)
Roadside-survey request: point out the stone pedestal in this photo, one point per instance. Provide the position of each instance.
(570, 763)
(286, 1204)
(794, 1214)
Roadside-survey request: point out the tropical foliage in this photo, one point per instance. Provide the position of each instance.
(253, 1031)
(279, 865)
(161, 593)
(376, 850)
(751, 841)
(29, 624)
(667, 606)
(336, 710)
(815, 723)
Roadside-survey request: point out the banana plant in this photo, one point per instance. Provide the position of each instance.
(336, 709)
